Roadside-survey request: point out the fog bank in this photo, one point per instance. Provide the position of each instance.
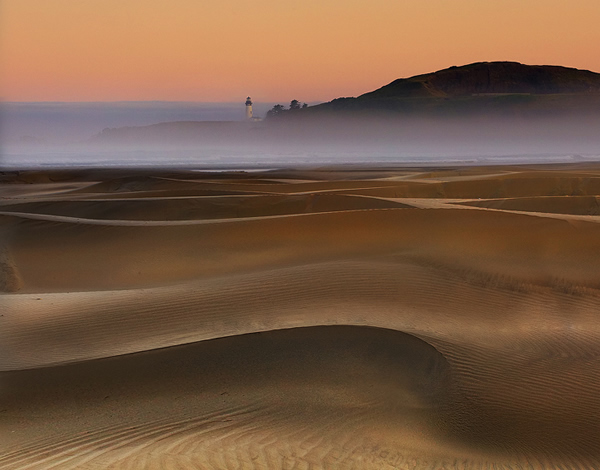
(321, 140)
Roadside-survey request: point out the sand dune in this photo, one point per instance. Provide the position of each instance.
(322, 318)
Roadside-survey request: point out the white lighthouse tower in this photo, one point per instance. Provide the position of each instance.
(248, 109)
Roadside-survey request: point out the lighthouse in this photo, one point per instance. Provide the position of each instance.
(248, 108)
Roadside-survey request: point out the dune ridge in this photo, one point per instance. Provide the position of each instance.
(318, 318)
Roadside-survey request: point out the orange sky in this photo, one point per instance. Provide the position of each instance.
(273, 50)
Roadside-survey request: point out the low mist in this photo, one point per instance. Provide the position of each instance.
(315, 140)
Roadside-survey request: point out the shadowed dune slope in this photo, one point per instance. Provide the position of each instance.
(202, 207)
(320, 318)
(243, 399)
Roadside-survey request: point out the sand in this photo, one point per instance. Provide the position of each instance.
(343, 317)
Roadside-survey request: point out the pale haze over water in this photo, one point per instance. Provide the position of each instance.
(58, 135)
(76, 122)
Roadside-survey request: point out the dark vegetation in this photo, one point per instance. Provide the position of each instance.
(279, 109)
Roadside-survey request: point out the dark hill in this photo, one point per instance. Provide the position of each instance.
(490, 87)
(494, 77)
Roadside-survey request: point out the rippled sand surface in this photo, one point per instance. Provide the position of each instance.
(333, 318)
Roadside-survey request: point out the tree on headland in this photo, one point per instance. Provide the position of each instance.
(279, 110)
(276, 111)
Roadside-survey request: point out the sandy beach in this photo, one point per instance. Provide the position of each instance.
(346, 317)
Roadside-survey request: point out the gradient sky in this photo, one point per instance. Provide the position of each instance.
(273, 50)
